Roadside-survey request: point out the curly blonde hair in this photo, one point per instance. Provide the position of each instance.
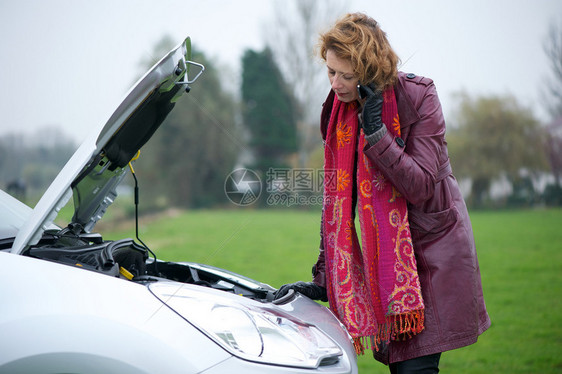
(358, 38)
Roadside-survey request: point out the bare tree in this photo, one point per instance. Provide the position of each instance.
(553, 50)
(292, 37)
(553, 98)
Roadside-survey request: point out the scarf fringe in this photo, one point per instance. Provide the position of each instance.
(398, 328)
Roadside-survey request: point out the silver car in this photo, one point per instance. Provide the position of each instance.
(72, 302)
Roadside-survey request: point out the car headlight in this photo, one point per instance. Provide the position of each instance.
(250, 331)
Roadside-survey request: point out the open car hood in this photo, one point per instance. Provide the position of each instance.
(95, 170)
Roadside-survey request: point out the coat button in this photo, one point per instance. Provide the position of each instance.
(400, 142)
(410, 76)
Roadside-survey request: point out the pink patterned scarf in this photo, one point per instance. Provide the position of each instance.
(374, 288)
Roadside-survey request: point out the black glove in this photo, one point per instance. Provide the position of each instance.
(372, 108)
(309, 289)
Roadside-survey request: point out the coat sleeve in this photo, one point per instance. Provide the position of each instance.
(412, 167)
(319, 269)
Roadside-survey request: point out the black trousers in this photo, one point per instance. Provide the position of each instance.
(419, 365)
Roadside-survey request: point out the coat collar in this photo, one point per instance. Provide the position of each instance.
(406, 109)
(326, 112)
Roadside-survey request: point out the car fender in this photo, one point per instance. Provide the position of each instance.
(48, 312)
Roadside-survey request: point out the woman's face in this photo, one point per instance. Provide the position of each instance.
(342, 78)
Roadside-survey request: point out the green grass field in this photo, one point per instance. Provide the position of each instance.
(520, 255)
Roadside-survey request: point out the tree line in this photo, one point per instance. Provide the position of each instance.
(268, 126)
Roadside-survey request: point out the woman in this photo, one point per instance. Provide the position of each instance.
(412, 288)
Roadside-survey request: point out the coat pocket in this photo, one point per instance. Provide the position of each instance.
(432, 222)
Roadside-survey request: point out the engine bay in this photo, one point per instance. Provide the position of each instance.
(129, 260)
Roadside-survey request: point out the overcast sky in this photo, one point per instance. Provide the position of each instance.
(68, 63)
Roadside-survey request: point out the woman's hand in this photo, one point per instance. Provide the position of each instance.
(309, 289)
(372, 108)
